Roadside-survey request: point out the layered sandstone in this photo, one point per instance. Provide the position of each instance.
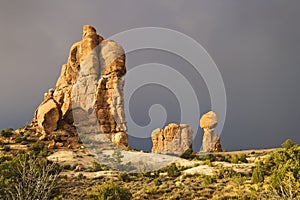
(89, 90)
(173, 139)
(210, 141)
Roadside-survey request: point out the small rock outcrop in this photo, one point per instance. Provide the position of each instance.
(210, 141)
(89, 90)
(173, 139)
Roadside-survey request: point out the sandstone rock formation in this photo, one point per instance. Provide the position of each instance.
(210, 141)
(173, 139)
(89, 90)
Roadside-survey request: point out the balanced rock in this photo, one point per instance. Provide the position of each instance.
(210, 141)
(89, 90)
(49, 113)
(173, 139)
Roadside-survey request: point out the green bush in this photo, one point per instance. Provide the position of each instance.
(282, 163)
(57, 138)
(124, 177)
(25, 177)
(24, 140)
(288, 144)
(209, 180)
(6, 148)
(258, 174)
(153, 190)
(172, 170)
(189, 154)
(208, 157)
(6, 132)
(157, 182)
(236, 158)
(116, 161)
(96, 167)
(19, 139)
(243, 158)
(226, 173)
(39, 149)
(110, 191)
(67, 167)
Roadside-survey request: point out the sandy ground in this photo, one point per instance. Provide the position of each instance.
(144, 162)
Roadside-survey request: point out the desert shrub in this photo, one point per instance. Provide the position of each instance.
(6, 132)
(289, 187)
(124, 177)
(288, 144)
(238, 158)
(283, 163)
(19, 139)
(25, 177)
(234, 159)
(57, 138)
(227, 158)
(80, 176)
(4, 158)
(208, 157)
(172, 170)
(153, 190)
(6, 148)
(39, 149)
(96, 167)
(116, 161)
(209, 179)
(110, 190)
(189, 154)
(157, 182)
(226, 173)
(24, 140)
(59, 197)
(258, 174)
(67, 167)
(243, 158)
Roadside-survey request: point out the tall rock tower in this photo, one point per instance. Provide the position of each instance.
(89, 91)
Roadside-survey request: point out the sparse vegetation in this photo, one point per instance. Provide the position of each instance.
(57, 138)
(275, 176)
(172, 170)
(238, 158)
(109, 190)
(258, 174)
(6, 132)
(6, 148)
(96, 167)
(116, 161)
(24, 140)
(26, 177)
(209, 179)
(282, 169)
(39, 148)
(189, 154)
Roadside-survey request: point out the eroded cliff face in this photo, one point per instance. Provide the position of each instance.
(89, 91)
(210, 141)
(173, 139)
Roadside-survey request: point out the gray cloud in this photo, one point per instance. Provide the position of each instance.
(254, 43)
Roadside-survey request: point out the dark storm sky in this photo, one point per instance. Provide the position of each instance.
(255, 44)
